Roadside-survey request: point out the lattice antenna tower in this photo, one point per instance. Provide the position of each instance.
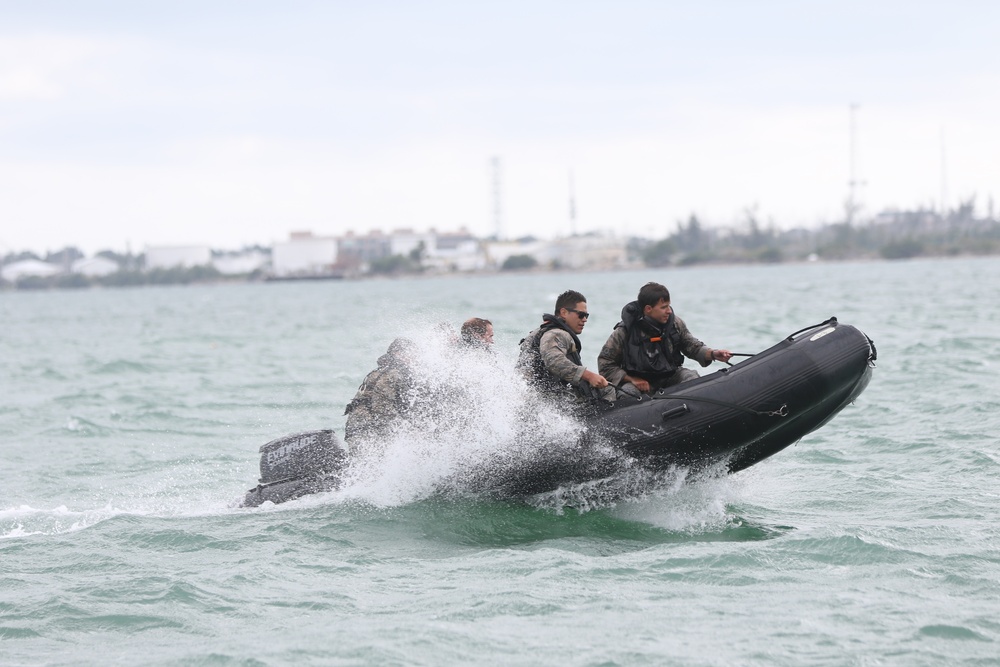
(496, 170)
(853, 204)
(944, 178)
(572, 206)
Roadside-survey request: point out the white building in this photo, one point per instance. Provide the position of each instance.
(363, 247)
(304, 255)
(498, 252)
(590, 251)
(404, 241)
(185, 257)
(95, 267)
(27, 268)
(240, 263)
(455, 252)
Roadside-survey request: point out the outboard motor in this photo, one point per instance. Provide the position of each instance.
(296, 465)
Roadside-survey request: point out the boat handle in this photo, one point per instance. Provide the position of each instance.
(676, 412)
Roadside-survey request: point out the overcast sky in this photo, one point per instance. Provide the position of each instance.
(232, 123)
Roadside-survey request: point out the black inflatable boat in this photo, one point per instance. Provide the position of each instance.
(736, 416)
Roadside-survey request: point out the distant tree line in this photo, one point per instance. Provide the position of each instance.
(132, 271)
(518, 263)
(126, 278)
(891, 235)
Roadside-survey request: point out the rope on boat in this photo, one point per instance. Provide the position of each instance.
(675, 412)
(873, 353)
(832, 320)
(739, 354)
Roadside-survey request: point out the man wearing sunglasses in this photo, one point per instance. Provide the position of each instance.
(647, 348)
(550, 355)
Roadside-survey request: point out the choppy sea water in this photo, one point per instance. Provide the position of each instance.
(130, 422)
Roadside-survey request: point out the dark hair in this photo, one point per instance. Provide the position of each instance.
(474, 329)
(651, 294)
(568, 300)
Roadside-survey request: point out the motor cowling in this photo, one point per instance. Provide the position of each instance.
(305, 454)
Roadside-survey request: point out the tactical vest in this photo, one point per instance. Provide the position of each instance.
(535, 367)
(652, 355)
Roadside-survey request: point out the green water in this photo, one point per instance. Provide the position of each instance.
(131, 419)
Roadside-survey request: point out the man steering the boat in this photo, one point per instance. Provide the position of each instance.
(646, 350)
(385, 396)
(550, 354)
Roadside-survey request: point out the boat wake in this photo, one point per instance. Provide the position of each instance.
(476, 432)
(25, 521)
(476, 429)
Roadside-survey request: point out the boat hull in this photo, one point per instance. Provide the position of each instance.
(735, 417)
(746, 413)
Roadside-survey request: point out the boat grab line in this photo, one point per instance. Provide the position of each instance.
(780, 412)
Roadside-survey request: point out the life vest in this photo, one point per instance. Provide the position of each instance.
(651, 351)
(530, 362)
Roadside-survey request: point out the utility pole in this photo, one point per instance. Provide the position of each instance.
(572, 206)
(497, 206)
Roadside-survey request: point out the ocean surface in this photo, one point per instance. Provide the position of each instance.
(131, 419)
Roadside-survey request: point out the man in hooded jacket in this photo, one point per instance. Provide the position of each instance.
(646, 350)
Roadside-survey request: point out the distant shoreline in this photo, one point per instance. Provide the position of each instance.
(51, 285)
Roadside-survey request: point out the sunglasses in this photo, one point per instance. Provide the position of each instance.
(582, 314)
